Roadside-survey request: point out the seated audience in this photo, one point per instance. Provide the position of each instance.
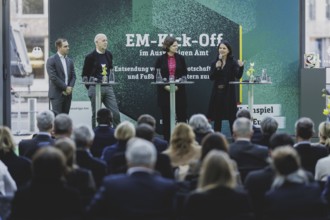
(47, 197)
(45, 123)
(139, 194)
(216, 196)
(104, 132)
(83, 137)
(18, 167)
(159, 143)
(63, 126)
(324, 135)
(292, 195)
(308, 153)
(7, 183)
(183, 151)
(268, 127)
(200, 126)
(247, 155)
(256, 136)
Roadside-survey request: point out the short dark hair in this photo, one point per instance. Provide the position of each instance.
(213, 141)
(243, 113)
(145, 131)
(168, 42)
(147, 119)
(304, 128)
(104, 116)
(225, 42)
(280, 139)
(59, 42)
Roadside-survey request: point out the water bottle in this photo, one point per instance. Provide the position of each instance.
(111, 76)
(158, 76)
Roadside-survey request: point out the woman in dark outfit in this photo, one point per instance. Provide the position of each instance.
(224, 69)
(171, 64)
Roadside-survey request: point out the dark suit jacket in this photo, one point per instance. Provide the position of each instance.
(28, 147)
(181, 70)
(160, 144)
(104, 136)
(18, 167)
(295, 202)
(248, 156)
(140, 195)
(97, 166)
(309, 155)
(57, 77)
(218, 203)
(52, 200)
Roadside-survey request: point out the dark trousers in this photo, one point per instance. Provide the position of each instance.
(61, 104)
(218, 125)
(181, 116)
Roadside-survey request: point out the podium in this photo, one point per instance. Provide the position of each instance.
(172, 98)
(98, 102)
(250, 91)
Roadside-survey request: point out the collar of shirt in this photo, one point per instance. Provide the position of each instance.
(100, 52)
(139, 169)
(60, 55)
(302, 142)
(243, 139)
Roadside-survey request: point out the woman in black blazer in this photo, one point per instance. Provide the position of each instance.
(224, 69)
(171, 64)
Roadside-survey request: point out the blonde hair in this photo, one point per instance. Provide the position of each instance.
(7, 143)
(216, 170)
(182, 139)
(324, 133)
(68, 148)
(124, 131)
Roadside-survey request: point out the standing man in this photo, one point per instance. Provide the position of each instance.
(95, 63)
(61, 77)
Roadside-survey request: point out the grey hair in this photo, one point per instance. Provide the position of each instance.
(98, 36)
(242, 127)
(62, 124)
(45, 120)
(199, 123)
(268, 125)
(140, 152)
(83, 135)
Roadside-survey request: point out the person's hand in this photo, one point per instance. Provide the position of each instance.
(240, 63)
(218, 64)
(68, 90)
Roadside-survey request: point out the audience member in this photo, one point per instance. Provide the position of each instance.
(247, 155)
(200, 126)
(47, 197)
(139, 194)
(45, 122)
(324, 135)
(293, 196)
(18, 167)
(268, 126)
(76, 177)
(7, 183)
(216, 194)
(183, 151)
(83, 137)
(104, 132)
(63, 126)
(309, 154)
(257, 135)
(159, 143)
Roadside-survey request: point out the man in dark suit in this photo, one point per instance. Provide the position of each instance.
(62, 77)
(104, 132)
(45, 121)
(159, 143)
(247, 155)
(308, 153)
(83, 137)
(95, 63)
(139, 194)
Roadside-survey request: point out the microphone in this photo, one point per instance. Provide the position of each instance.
(220, 56)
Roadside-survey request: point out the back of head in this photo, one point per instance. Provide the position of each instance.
(45, 121)
(147, 119)
(304, 128)
(214, 141)
(83, 136)
(48, 164)
(268, 125)
(124, 131)
(324, 133)
(285, 160)
(7, 143)
(217, 170)
(63, 125)
(104, 116)
(145, 131)
(280, 139)
(182, 139)
(243, 113)
(242, 127)
(68, 148)
(200, 124)
(140, 153)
